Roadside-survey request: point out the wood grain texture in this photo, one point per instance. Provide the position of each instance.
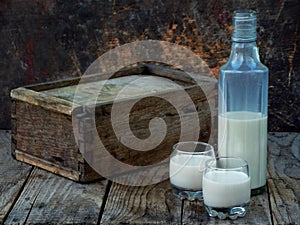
(49, 166)
(153, 204)
(48, 198)
(44, 118)
(284, 170)
(45, 134)
(13, 175)
(140, 116)
(42, 100)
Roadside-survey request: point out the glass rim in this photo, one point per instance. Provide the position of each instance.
(194, 152)
(208, 165)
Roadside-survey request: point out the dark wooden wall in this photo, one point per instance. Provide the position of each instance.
(52, 39)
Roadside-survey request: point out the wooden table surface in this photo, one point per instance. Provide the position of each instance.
(33, 196)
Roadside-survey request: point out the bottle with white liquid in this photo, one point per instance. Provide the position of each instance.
(243, 101)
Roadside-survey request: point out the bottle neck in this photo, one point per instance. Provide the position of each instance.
(244, 53)
(245, 48)
(244, 26)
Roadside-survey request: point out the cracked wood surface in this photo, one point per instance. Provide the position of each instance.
(34, 196)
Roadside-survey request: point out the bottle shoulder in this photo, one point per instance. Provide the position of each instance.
(244, 57)
(244, 67)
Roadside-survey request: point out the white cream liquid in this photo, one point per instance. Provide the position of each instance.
(224, 189)
(186, 171)
(244, 134)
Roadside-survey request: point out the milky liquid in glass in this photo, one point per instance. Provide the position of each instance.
(224, 189)
(244, 134)
(186, 171)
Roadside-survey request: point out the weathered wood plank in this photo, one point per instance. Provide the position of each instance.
(48, 198)
(284, 169)
(43, 100)
(32, 160)
(139, 126)
(13, 174)
(153, 204)
(107, 91)
(45, 134)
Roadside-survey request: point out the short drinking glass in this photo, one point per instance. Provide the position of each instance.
(187, 164)
(226, 187)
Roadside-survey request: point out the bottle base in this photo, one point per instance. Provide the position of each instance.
(258, 191)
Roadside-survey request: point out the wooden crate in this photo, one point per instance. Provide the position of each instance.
(42, 132)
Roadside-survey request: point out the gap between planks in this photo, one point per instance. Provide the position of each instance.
(13, 174)
(19, 194)
(48, 198)
(269, 200)
(105, 197)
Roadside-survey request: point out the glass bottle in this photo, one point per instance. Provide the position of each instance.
(243, 101)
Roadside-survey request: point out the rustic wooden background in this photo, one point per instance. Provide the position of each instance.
(44, 40)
